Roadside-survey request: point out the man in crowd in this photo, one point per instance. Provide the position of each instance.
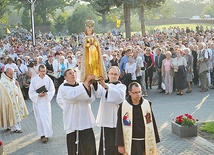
(112, 94)
(203, 66)
(136, 127)
(75, 100)
(158, 63)
(13, 108)
(123, 61)
(140, 71)
(41, 99)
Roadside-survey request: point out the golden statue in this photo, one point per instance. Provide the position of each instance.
(92, 62)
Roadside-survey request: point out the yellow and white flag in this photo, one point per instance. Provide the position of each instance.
(7, 31)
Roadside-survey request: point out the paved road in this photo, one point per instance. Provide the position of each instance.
(165, 107)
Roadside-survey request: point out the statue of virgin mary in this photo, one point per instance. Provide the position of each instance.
(92, 62)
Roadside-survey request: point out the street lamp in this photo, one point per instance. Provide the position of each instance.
(32, 2)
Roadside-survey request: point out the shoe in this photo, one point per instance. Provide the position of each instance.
(44, 139)
(8, 129)
(181, 94)
(166, 93)
(18, 131)
(178, 93)
(188, 91)
(203, 90)
(161, 91)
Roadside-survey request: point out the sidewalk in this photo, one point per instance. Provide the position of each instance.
(165, 107)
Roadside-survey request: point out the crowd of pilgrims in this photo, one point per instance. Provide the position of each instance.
(173, 58)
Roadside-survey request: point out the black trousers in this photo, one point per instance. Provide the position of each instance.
(110, 148)
(86, 144)
(138, 147)
(159, 80)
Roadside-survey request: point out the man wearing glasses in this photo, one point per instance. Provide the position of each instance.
(112, 94)
(139, 135)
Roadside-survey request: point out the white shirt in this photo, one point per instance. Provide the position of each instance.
(76, 105)
(13, 56)
(70, 65)
(107, 112)
(78, 73)
(23, 69)
(131, 69)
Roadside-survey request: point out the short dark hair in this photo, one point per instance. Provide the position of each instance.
(42, 66)
(66, 71)
(136, 84)
(128, 50)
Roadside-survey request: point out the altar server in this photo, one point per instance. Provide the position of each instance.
(42, 102)
(112, 94)
(75, 99)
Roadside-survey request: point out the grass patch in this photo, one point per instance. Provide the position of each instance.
(208, 127)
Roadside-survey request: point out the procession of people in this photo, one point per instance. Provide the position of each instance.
(119, 71)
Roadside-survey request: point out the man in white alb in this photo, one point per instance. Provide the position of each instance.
(75, 99)
(112, 94)
(42, 102)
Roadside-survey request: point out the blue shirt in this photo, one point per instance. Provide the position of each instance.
(62, 68)
(123, 62)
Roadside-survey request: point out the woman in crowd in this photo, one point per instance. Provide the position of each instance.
(179, 64)
(49, 67)
(10, 64)
(25, 84)
(22, 70)
(168, 72)
(189, 68)
(130, 70)
(61, 70)
(149, 59)
(114, 61)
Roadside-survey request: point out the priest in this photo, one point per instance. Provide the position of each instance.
(12, 105)
(41, 92)
(136, 131)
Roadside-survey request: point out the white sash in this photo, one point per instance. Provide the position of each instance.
(127, 124)
(127, 129)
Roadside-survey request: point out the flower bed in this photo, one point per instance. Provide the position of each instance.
(184, 126)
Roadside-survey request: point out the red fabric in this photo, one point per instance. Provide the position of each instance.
(153, 61)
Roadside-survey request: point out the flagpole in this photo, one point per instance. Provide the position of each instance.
(32, 2)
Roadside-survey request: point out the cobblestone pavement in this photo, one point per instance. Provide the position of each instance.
(165, 107)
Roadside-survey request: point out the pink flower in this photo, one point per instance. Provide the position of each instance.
(1, 143)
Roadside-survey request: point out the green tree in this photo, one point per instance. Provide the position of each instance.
(60, 22)
(4, 10)
(4, 7)
(149, 4)
(209, 10)
(44, 9)
(76, 22)
(25, 19)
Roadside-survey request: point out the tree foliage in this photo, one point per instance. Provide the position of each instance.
(44, 9)
(4, 6)
(76, 22)
(209, 10)
(60, 22)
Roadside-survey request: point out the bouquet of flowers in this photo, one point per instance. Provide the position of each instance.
(185, 120)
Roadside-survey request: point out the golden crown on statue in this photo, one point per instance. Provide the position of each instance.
(89, 23)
